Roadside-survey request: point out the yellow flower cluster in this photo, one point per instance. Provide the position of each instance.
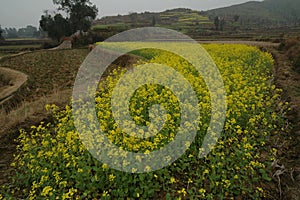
(53, 163)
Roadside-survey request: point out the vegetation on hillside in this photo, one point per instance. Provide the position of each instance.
(185, 20)
(26, 32)
(248, 20)
(267, 13)
(1, 31)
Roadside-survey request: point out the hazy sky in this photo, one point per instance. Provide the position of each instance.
(19, 13)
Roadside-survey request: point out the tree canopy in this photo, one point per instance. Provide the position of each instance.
(56, 26)
(1, 31)
(79, 17)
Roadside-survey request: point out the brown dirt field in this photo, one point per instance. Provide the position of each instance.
(286, 177)
(47, 70)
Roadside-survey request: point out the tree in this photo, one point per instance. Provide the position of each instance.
(222, 23)
(11, 32)
(81, 17)
(236, 18)
(56, 26)
(217, 22)
(81, 13)
(133, 18)
(1, 31)
(28, 32)
(153, 21)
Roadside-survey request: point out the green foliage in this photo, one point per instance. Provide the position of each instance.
(56, 26)
(296, 64)
(1, 31)
(81, 14)
(217, 23)
(236, 18)
(26, 32)
(4, 80)
(11, 33)
(268, 12)
(183, 20)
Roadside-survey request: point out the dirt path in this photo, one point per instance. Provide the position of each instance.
(287, 172)
(62, 46)
(251, 43)
(17, 80)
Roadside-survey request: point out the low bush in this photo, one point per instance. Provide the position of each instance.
(296, 64)
(4, 80)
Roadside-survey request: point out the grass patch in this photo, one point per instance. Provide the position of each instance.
(2, 54)
(296, 91)
(19, 47)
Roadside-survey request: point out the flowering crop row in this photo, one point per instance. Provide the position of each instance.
(52, 162)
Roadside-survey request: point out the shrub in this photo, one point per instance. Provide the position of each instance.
(4, 80)
(288, 43)
(49, 44)
(296, 64)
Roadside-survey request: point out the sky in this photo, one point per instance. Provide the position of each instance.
(20, 13)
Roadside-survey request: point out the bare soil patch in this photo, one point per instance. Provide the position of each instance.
(286, 169)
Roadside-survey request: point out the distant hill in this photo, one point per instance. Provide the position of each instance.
(185, 20)
(267, 12)
(269, 19)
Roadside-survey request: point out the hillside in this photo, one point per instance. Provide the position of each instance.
(267, 20)
(265, 13)
(184, 20)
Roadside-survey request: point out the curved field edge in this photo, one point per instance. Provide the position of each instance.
(51, 77)
(237, 167)
(16, 81)
(4, 79)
